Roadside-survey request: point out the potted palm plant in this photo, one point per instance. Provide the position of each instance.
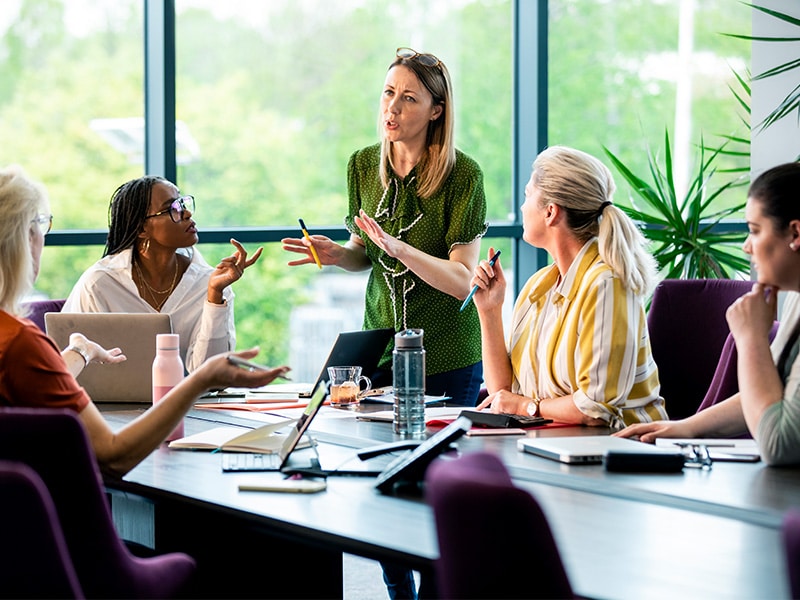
(689, 236)
(791, 103)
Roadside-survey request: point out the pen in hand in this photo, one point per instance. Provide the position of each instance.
(308, 237)
(235, 360)
(475, 287)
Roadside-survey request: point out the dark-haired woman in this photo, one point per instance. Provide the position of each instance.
(150, 264)
(768, 402)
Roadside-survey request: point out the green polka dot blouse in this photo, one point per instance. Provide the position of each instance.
(396, 297)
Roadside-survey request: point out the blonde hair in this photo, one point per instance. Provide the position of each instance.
(439, 157)
(21, 199)
(583, 186)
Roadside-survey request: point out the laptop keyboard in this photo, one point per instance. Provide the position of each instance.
(240, 461)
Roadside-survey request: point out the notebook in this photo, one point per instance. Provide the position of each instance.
(587, 449)
(134, 333)
(360, 348)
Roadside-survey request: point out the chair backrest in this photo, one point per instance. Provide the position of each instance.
(725, 382)
(34, 559)
(480, 555)
(790, 534)
(54, 443)
(688, 328)
(37, 309)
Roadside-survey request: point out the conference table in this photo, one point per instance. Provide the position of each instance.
(697, 534)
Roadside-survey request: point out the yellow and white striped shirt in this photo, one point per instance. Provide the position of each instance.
(585, 335)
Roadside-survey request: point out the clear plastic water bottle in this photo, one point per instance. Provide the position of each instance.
(408, 366)
(167, 371)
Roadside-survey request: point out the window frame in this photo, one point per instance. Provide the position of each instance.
(530, 116)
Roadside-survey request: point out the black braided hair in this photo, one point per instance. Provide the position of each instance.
(127, 210)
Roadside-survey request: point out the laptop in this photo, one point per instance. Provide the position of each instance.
(327, 459)
(235, 461)
(360, 348)
(586, 449)
(134, 333)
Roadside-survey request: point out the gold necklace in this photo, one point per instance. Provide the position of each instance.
(158, 305)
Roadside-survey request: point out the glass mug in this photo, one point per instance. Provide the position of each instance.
(346, 386)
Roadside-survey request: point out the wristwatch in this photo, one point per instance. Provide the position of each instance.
(84, 355)
(533, 407)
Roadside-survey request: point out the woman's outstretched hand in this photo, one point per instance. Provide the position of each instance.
(229, 270)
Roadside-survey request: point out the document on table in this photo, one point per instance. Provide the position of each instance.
(720, 449)
(431, 412)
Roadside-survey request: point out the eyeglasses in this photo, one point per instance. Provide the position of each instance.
(44, 222)
(697, 455)
(176, 209)
(429, 60)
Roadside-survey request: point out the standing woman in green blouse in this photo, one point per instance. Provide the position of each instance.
(416, 216)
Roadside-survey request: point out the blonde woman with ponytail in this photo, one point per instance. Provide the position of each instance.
(578, 350)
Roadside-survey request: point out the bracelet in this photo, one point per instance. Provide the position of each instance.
(84, 355)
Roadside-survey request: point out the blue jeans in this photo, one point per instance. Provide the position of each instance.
(462, 385)
(400, 583)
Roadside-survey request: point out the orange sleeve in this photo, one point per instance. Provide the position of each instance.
(33, 372)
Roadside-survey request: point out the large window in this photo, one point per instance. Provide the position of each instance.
(272, 97)
(278, 100)
(623, 73)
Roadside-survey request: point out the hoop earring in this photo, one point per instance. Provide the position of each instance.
(145, 246)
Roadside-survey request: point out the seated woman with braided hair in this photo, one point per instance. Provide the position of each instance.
(150, 264)
(27, 354)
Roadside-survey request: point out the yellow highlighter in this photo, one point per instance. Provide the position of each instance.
(308, 237)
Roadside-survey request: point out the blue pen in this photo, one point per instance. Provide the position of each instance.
(475, 287)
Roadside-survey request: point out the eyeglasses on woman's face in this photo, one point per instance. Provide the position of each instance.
(429, 60)
(44, 223)
(176, 209)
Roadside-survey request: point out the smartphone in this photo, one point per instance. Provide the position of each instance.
(301, 486)
(241, 362)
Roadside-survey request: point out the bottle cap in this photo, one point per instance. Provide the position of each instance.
(409, 338)
(168, 341)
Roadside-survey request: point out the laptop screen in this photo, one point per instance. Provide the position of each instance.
(363, 348)
(303, 423)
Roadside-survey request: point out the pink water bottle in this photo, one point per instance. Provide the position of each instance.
(167, 371)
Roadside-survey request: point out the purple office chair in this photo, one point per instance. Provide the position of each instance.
(37, 309)
(494, 540)
(34, 559)
(725, 382)
(54, 443)
(687, 328)
(790, 535)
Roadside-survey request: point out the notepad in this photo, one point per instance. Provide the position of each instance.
(262, 440)
(719, 449)
(436, 412)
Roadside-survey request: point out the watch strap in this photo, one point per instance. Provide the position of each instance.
(533, 407)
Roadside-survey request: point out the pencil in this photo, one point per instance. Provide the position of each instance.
(308, 237)
(475, 287)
